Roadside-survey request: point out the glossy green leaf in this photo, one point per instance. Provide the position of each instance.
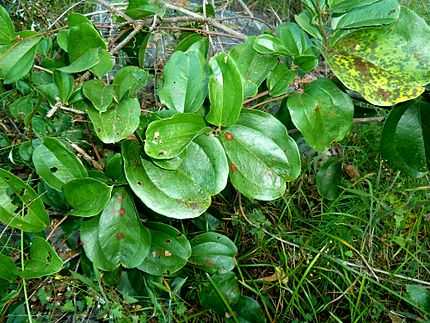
(341, 6)
(248, 310)
(280, 79)
(64, 83)
(7, 30)
(226, 92)
(419, 295)
(406, 137)
(328, 179)
(123, 239)
(43, 260)
(185, 82)
(22, 108)
(105, 64)
(261, 154)
(63, 39)
(374, 14)
(17, 61)
(323, 113)
(83, 38)
(56, 164)
(100, 94)
(20, 206)
(116, 124)
(213, 252)
(128, 81)
(87, 196)
(270, 45)
(386, 65)
(253, 66)
(305, 21)
(170, 250)
(170, 164)
(225, 284)
(142, 8)
(88, 59)
(8, 269)
(89, 233)
(115, 168)
(167, 138)
(194, 41)
(170, 193)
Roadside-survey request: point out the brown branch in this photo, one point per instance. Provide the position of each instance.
(87, 157)
(116, 11)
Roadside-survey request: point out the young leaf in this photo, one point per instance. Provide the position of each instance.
(280, 79)
(328, 179)
(253, 66)
(100, 94)
(87, 196)
(248, 311)
(170, 193)
(364, 60)
(406, 137)
(374, 14)
(118, 122)
(226, 92)
(64, 83)
(8, 269)
(7, 30)
(88, 59)
(89, 233)
(221, 289)
(56, 164)
(128, 81)
(185, 82)
(17, 60)
(123, 239)
(170, 250)
(323, 113)
(213, 252)
(44, 260)
(261, 154)
(29, 214)
(167, 138)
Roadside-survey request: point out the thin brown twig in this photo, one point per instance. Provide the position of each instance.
(87, 157)
(56, 226)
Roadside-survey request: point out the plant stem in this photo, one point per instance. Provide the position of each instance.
(24, 284)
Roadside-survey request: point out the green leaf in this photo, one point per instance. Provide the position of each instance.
(89, 233)
(374, 14)
(280, 79)
(270, 45)
(100, 94)
(185, 82)
(226, 92)
(128, 81)
(83, 38)
(222, 289)
(63, 39)
(261, 154)
(17, 61)
(406, 138)
(194, 41)
(419, 295)
(170, 250)
(7, 30)
(386, 65)
(213, 252)
(305, 21)
(88, 59)
(8, 269)
(123, 239)
(253, 66)
(56, 164)
(105, 64)
(323, 113)
(119, 122)
(20, 206)
(87, 196)
(170, 164)
(115, 168)
(22, 108)
(44, 261)
(174, 194)
(328, 179)
(167, 138)
(342, 6)
(142, 8)
(64, 83)
(248, 311)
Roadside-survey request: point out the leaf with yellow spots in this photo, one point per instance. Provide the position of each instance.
(385, 65)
